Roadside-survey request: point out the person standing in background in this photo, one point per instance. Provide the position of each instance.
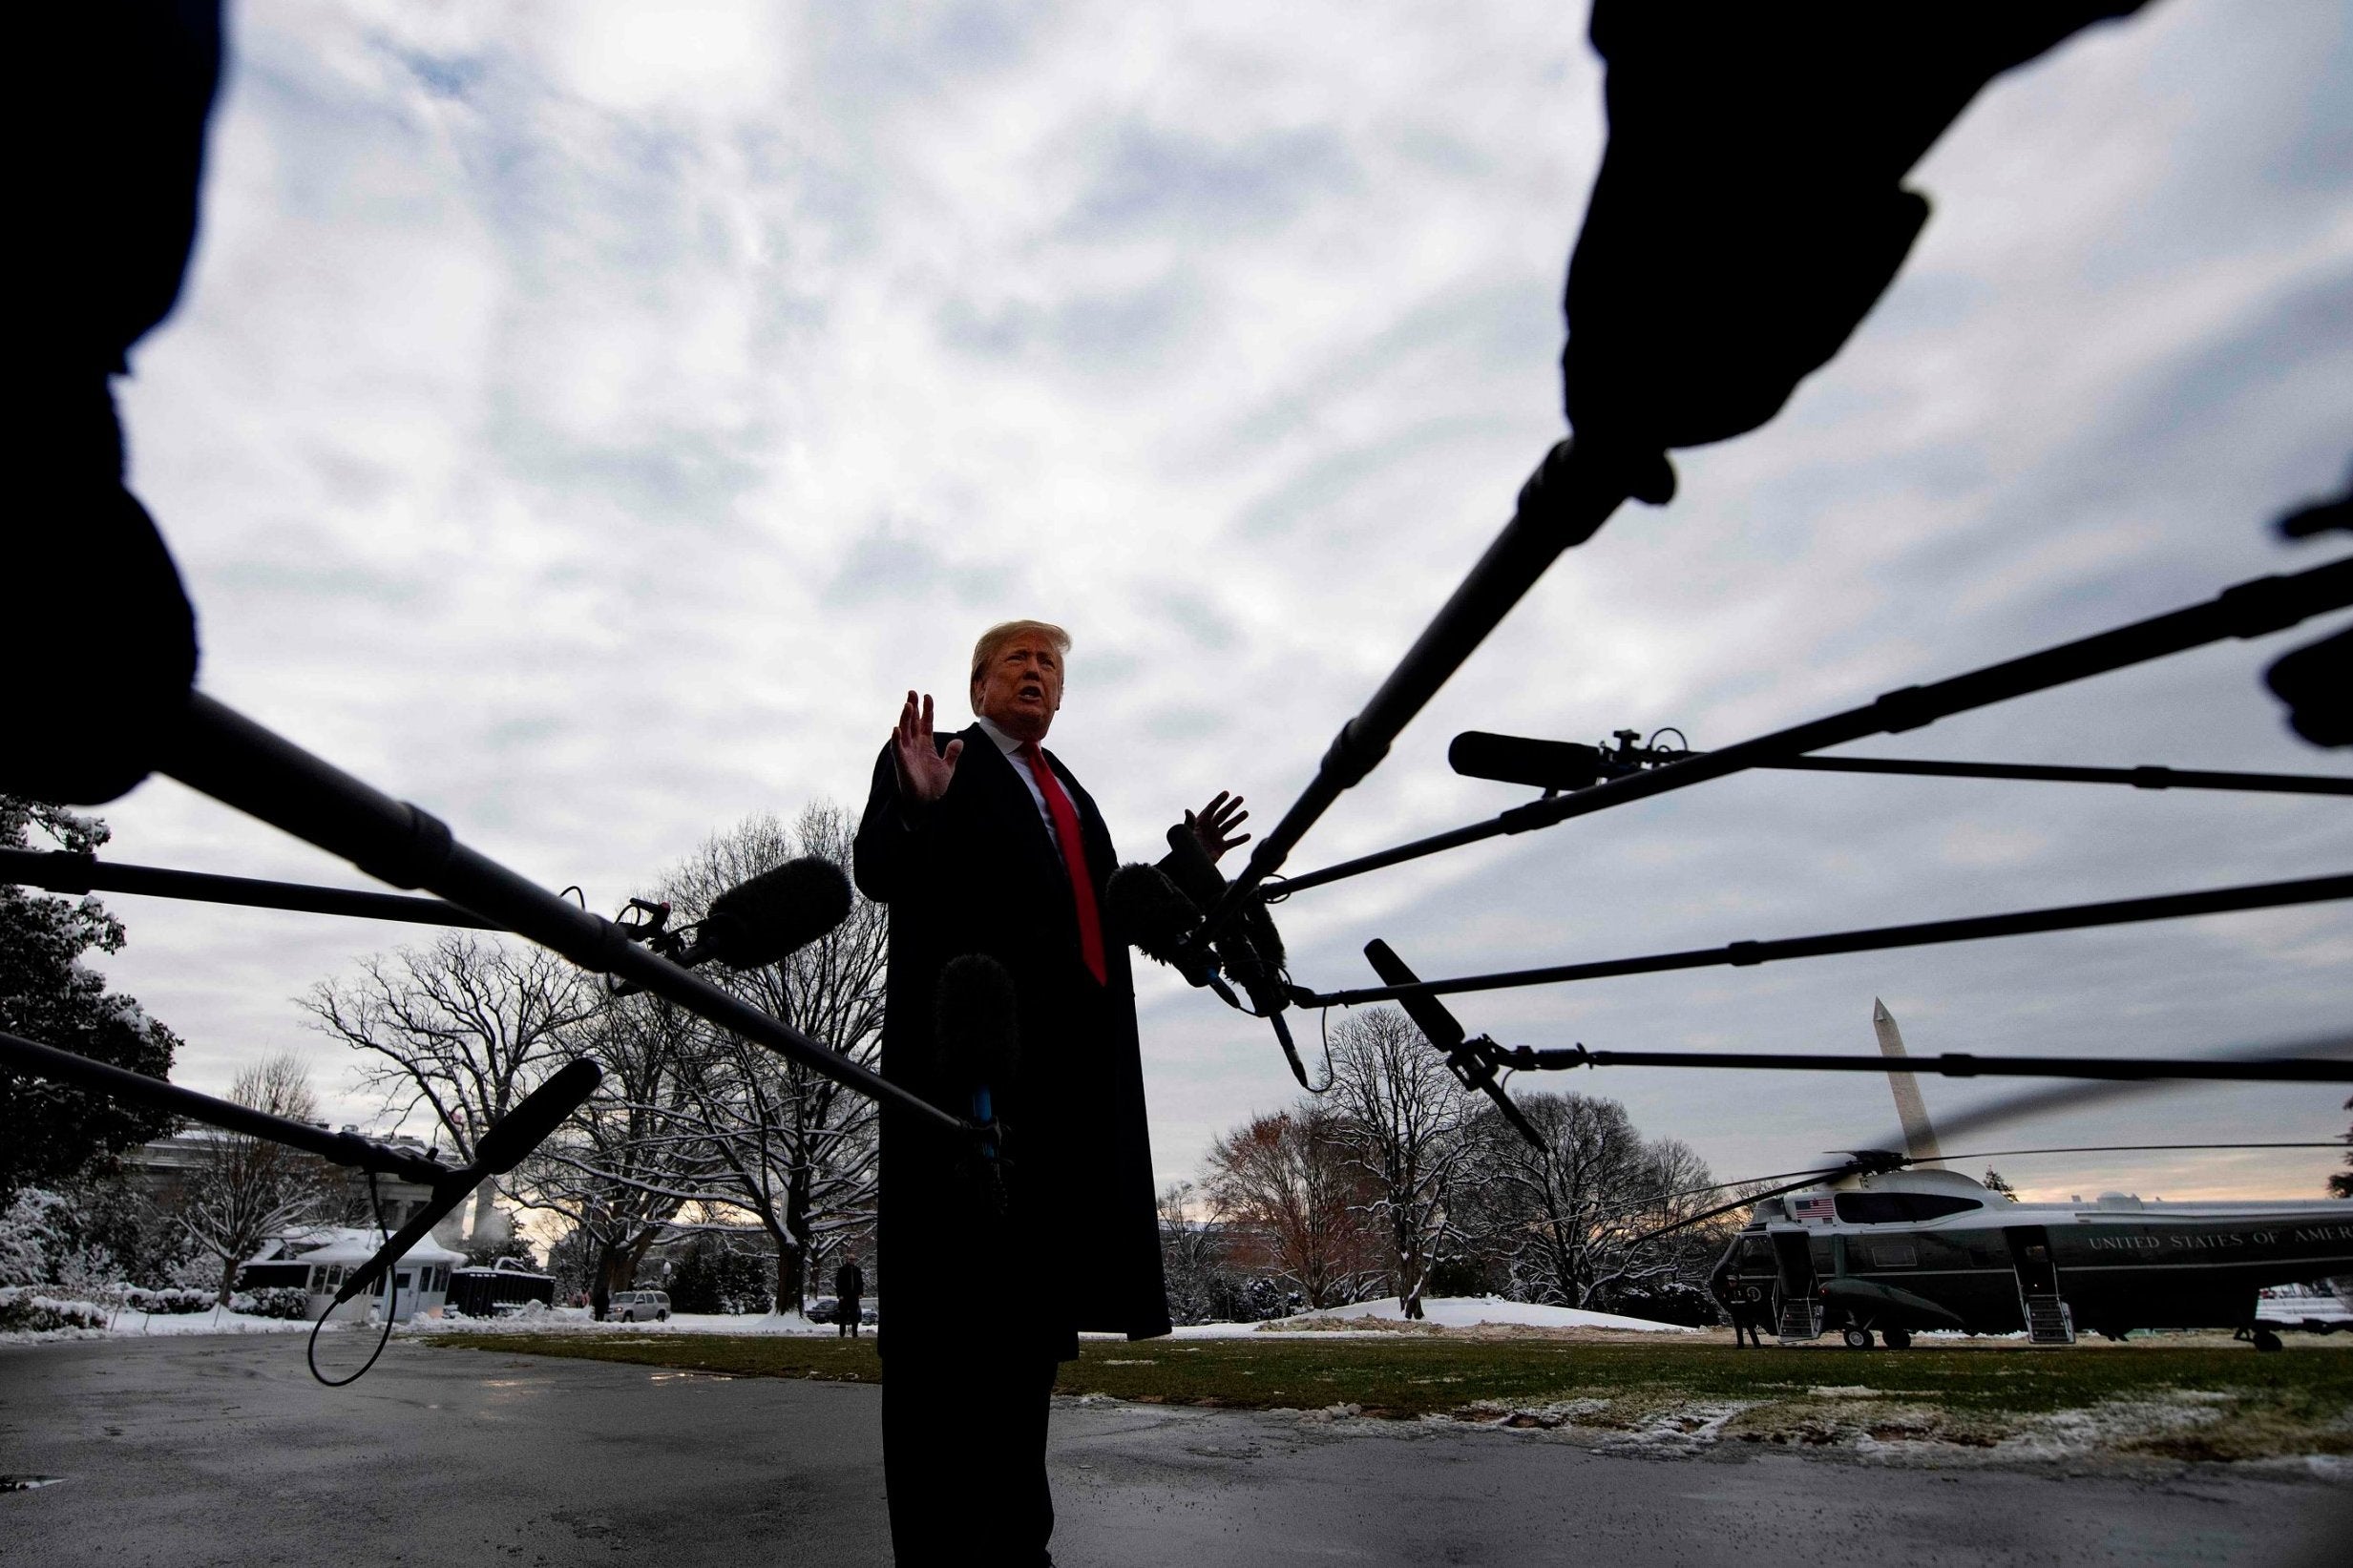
(849, 1285)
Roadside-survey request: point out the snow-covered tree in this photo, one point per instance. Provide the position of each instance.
(620, 1167)
(780, 1143)
(1567, 1221)
(48, 994)
(1405, 1127)
(246, 1190)
(463, 1030)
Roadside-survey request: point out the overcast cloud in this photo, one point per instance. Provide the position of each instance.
(587, 420)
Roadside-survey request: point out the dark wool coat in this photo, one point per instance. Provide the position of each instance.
(1078, 1246)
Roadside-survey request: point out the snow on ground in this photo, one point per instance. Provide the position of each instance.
(1446, 1313)
(1375, 1317)
(129, 1323)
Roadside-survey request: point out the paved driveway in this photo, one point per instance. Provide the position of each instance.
(222, 1450)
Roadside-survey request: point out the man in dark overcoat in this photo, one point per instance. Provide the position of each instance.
(984, 843)
(848, 1293)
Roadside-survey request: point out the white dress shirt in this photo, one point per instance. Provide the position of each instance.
(1012, 749)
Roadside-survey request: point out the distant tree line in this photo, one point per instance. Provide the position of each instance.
(1401, 1182)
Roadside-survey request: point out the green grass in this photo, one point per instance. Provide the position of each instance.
(2299, 1402)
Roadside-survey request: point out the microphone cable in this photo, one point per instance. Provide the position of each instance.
(392, 1301)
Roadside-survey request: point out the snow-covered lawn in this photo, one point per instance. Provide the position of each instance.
(1445, 1312)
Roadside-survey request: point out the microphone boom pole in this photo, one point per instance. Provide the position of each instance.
(2251, 609)
(62, 871)
(1568, 497)
(2122, 911)
(23, 1055)
(241, 763)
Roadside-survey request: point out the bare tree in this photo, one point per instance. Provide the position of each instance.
(1406, 1129)
(1569, 1220)
(621, 1166)
(783, 1143)
(1289, 1182)
(463, 1029)
(246, 1190)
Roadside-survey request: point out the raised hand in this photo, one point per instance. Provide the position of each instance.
(924, 771)
(1215, 822)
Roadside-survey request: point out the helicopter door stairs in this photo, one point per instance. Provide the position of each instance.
(2050, 1320)
(1801, 1309)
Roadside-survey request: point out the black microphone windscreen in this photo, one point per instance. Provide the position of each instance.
(1259, 924)
(1150, 911)
(510, 1139)
(1514, 758)
(787, 906)
(974, 1027)
(1426, 1010)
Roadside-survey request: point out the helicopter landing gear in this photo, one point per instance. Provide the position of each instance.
(1898, 1339)
(1858, 1338)
(2265, 1340)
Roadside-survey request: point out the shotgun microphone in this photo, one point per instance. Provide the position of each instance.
(761, 920)
(975, 1026)
(1565, 765)
(1466, 1058)
(1251, 948)
(509, 1140)
(978, 1032)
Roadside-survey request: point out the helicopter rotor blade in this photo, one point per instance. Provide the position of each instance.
(2140, 1148)
(1830, 1174)
(1954, 1125)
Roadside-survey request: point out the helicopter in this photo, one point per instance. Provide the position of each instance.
(1889, 1245)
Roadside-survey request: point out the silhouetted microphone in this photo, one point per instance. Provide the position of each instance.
(1515, 759)
(1154, 914)
(1251, 948)
(761, 921)
(978, 1035)
(1466, 1058)
(507, 1143)
(975, 1026)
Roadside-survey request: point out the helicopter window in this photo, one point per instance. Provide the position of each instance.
(1895, 1255)
(1756, 1249)
(1883, 1208)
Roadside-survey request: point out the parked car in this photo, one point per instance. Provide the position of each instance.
(823, 1310)
(639, 1306)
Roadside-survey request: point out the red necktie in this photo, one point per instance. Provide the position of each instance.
(1074, 858)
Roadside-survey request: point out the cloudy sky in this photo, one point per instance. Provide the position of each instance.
(586, 421)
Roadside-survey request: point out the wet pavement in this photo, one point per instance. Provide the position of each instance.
(223, 1451)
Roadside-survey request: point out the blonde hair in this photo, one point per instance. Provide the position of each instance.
(993, 641)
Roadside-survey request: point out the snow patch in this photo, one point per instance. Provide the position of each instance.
(1678, 1429)
(1468, 1312)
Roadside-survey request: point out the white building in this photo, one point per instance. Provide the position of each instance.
(321, 1260)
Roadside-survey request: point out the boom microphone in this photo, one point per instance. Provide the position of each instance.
(979, 1041)
(1564, 765)
(975, 1025)
(761, 920)
(503, 1147)
(512, 1138)
(1251, 948)
(1153, 913)
(1470, 1066)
